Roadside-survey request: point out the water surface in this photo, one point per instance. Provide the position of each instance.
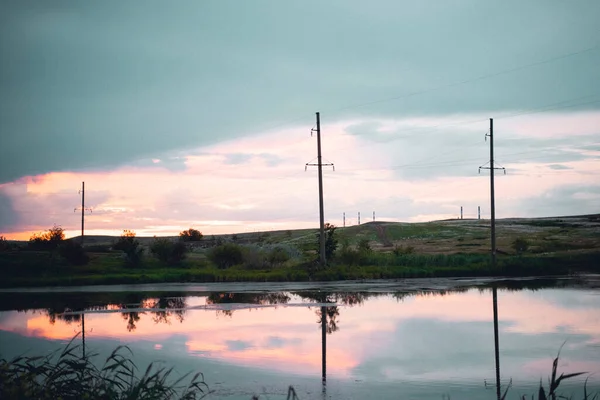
(411, 339)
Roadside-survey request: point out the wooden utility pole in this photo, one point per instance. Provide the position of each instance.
(320, 165)
(492, 168)
(83, 210)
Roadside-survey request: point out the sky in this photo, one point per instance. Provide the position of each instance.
(199, 114)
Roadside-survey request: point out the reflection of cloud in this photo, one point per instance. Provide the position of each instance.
(420, 337)
(238, 345)
(276, 342)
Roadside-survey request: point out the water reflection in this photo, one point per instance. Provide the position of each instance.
(421, 335)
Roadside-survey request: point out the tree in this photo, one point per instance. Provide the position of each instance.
(190, 235)
(168, 251)
(128, 244)
(331, 241)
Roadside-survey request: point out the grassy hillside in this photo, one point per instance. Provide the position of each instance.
(545, 235)
(374, 250)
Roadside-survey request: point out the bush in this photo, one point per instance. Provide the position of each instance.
(226, 255)
(190, 235)
(48, 240)
(73, 253)
(399, 250)
(520, 245)
(277, 256)
(167, 251)
(4, 245)
(128, 244)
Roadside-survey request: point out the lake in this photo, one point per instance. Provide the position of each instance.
(411, 339)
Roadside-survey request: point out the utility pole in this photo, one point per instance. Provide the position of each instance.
(461, 212)
(478, 212)
(320, 165)
(359, 218)
(373, 216)
(83, 210)
(344, 220)
(492, 168)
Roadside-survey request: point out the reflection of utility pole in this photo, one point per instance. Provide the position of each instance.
(496, 343)
(320, 165)
(83, 210)
(324, 345)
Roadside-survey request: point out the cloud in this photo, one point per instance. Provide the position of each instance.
(9, 219)
(558, 167)
(78, 96)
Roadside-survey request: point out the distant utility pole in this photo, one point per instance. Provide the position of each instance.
(373, 216)
(344, 220)
(461, 212)
(492, 167)
(320, 165)
(478, 212)
(83, 210)
(359, 218)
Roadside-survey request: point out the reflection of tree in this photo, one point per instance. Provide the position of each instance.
(132, 305)
(167, 307)
(246, 298)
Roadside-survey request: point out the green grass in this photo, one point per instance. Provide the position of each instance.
(22, 269)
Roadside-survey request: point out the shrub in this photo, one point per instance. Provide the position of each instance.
(190, 235)
(4, 245)
(399, 250)
(364, 246)
(73, 253)
(48, 240)
(277, 256)
(167, 251)
(520, 245)
(128, 244)
(226, 255)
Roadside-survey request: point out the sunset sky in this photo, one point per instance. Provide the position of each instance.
(199, 113)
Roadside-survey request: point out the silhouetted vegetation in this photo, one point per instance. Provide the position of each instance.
(49, 240)
(73, 253)
(129, 245)
(191, 235)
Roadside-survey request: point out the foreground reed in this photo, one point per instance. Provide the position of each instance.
(69, 375)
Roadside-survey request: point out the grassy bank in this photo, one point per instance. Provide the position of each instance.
(28, 269)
